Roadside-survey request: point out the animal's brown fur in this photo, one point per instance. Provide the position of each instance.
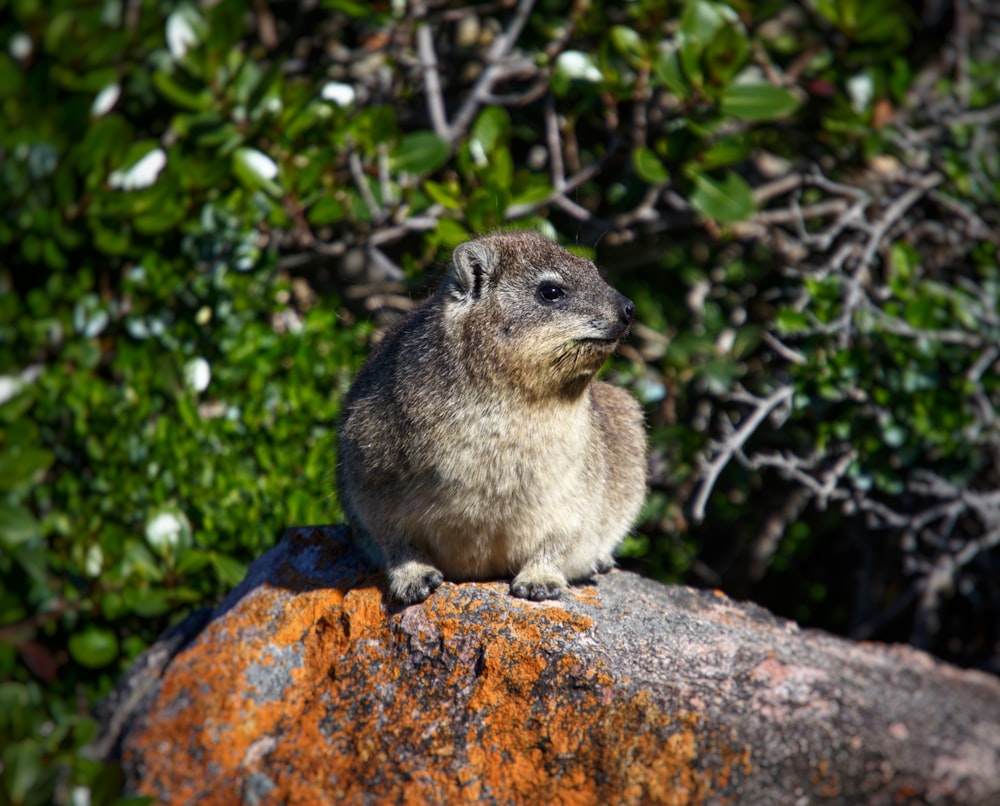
(475, 442)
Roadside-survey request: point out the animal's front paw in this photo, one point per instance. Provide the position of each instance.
(604, 564)
(536, 585)
(412, 582)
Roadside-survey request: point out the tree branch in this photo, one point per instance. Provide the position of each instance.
(725, 451)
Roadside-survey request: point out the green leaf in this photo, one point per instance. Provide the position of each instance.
(209, 129)
(758, 102)
(726, 53)
(105, 141)
(718, 374)
(151, 603)
(374, 124)
(450, 233)
(192, 562)
(628, 43)
(725, 151)
(419, 153)
(19, 465)
(668, 69)
(501, 170)
(442, 195)
(139, 563)
(702, 19)
(23, 772)
(791, 321)
(171, 87)
(485, 208)
(94, 647)
(12, 410)
(162, 208)
(230, 571)
(700, 22)
(11, 77)
(536, 190)
(256, 170)
(574, 66)
(727, 200)
(492, 126)
(648, 166)
(111, 241)
(921, 311)
(350, 8)
(52, 255)
(17, 526)
(326, 210)
(904, 267)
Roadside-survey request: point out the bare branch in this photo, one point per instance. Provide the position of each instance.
(518, 210)
(427, 220)
(786, 352)
(725, 452)
(378, 258)
(361, 182)
(432, 80)
(895, 212)
(825, 487)
(493, 73)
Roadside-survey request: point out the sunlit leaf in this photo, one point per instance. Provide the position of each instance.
(648, 166)
(668, 70)
(575, 65)
(256, 170)
(419, 153)
(628, 42)
(726, 200)
(326, 210)
(758, 102)
(229, 570)
(492, 126)
(17, 526)
(93, 647)
(791, 321)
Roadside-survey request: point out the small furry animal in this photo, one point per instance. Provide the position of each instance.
(475, 442)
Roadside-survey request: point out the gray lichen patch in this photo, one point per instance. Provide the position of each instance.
(268, 679)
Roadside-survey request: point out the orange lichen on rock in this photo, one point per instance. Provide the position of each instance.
(307, 687)
(457, 699)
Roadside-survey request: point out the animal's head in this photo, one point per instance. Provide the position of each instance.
(544, 315)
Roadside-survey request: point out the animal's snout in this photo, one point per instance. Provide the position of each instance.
(626, 310)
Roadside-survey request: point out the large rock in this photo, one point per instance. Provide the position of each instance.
(305, 687)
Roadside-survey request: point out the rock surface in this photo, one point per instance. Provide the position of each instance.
(304, 687)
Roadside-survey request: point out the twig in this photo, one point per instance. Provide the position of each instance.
(429, 219)
(786, 352)
(518, 210)
(361, 181)
(894, 212)
(502, 45)
(824, 488)
(961, 39)
(432, 80)
(378, 258)
(554, 143)
(727, 450)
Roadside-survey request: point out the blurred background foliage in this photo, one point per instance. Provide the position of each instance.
(209, 209)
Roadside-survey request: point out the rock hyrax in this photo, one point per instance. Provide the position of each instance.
(475, 442)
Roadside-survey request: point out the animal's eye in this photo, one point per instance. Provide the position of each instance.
(549, 292)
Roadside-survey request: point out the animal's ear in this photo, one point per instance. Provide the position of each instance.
(473, 263)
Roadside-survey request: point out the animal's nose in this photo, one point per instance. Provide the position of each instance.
(626, 310)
